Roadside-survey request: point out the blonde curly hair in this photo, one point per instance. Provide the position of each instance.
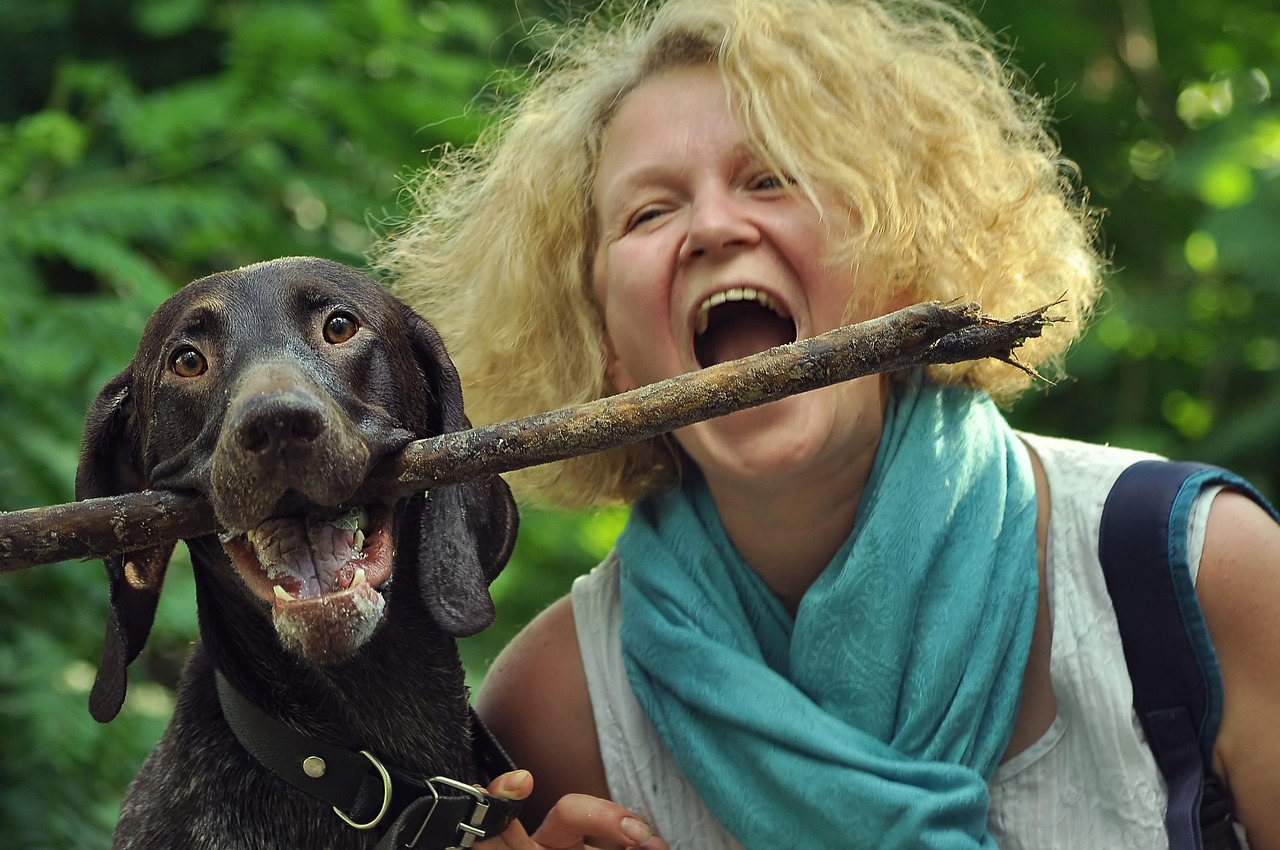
(900, 109)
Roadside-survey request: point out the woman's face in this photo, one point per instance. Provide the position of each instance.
(705, 256)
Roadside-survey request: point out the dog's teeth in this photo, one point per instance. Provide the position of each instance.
(362, 519)
(283, 595)
(357, 579)
(357, 542)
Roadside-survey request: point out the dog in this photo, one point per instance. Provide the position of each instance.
(326, 689)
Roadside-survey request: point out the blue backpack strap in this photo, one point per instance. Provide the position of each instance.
(1177, 685)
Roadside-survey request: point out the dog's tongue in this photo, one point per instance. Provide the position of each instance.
(310, 557)
(738, 329)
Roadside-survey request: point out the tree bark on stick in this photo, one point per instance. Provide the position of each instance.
(919, 335)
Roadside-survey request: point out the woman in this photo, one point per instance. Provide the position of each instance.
(868, 615)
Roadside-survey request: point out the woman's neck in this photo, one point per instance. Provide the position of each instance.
(789, 530)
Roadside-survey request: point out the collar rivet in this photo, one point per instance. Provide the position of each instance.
(313, 766)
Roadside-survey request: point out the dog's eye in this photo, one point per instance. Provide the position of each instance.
(188, 363)
(340, 327)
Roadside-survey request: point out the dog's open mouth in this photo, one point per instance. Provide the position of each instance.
(320, 573)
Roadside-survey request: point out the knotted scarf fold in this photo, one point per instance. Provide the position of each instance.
(875, 715)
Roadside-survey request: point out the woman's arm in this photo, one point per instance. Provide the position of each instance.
(1239, 590)
(535, 700)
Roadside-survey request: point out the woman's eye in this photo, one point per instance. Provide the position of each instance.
(340, 327)
(187, 362)
(641, 217)
(771, 181)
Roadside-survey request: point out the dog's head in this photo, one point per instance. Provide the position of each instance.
(273, 391)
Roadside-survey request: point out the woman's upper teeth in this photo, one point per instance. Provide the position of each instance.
(738, 293)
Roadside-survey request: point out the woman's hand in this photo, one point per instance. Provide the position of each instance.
(574, 820)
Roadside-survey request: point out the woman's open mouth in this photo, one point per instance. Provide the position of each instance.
(738, 322)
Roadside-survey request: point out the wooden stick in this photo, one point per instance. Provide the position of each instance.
(922, 334)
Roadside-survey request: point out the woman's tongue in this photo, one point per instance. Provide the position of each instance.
(738, 330)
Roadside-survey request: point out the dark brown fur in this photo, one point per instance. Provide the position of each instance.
(284, 422)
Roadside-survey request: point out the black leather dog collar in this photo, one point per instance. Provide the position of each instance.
(436, 813)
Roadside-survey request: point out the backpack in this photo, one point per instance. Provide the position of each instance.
(1177, 686)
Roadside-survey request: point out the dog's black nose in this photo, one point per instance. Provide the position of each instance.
(273, 424)
(283, 434)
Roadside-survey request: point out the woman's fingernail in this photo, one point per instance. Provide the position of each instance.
(515, 781)
(636, 829)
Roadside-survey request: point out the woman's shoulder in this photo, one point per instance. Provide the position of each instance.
(1079, 475)
(542, 655)
(1239, 590)
(1094, 463)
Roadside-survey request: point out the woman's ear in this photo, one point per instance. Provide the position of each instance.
(618, 376)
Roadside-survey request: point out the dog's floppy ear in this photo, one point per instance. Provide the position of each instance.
(467, 533)
(109, 466)
(468, 529)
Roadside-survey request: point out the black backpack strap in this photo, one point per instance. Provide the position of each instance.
(1177, 686)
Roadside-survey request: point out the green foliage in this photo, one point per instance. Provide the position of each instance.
(1169, 110)
(144, 143)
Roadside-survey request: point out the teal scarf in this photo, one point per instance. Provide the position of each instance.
(875, 716)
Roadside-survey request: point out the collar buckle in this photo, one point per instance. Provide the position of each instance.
(468, 831)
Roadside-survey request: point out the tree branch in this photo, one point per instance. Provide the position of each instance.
(919, 335)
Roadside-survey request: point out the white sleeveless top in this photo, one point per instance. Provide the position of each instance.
(1090, 781)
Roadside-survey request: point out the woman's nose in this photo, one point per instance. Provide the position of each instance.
(717, 223)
